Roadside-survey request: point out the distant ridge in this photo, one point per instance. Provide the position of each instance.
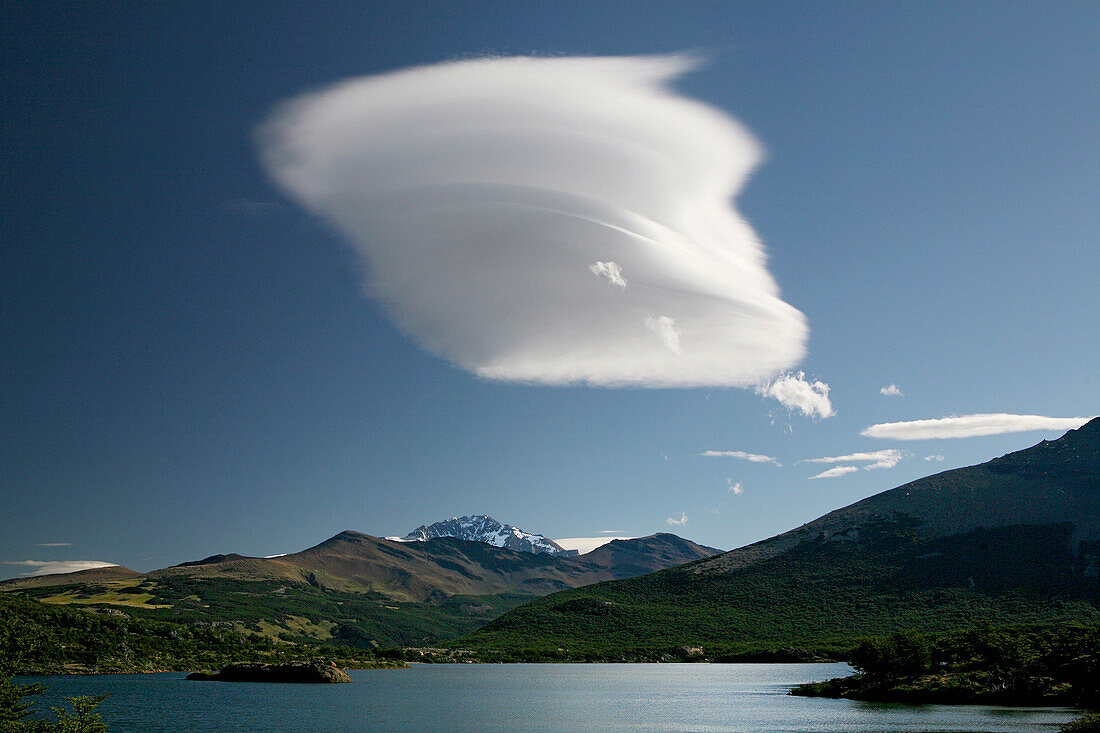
(111, 572)
(212, 559)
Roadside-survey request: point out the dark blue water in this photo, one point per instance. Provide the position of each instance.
(529, 698)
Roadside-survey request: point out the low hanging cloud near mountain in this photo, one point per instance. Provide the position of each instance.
(588, 544)
(741, 455)
(49, 567)
(971, 426)
(495, 200)
(794, 392)
(678, 522)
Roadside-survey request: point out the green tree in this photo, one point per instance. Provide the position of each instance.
(14, 709)
(83, 719)
(902, 655)
(907, 654)
(866, 658)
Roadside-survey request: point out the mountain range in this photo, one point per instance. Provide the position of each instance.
(1013, 540)
(355, 588)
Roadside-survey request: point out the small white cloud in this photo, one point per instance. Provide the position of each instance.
(665, 327)
(587, 544)
(834, 472)
(55, 544)
(934, 457)
(735, 487)
(610, 270)
(891, 390)
(678, 522)
(971, 426)
(740, 454)
(51, 567)
(614, 531)
(876, 459)
(795, 393)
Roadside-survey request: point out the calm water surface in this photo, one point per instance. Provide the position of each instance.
(529, 698)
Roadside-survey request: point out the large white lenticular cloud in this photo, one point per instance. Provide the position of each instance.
(485, 194)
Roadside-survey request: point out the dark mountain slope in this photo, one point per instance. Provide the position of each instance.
(1052, 482)
(1013, 540)
(627, 558)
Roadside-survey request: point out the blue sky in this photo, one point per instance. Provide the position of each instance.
(191, 364)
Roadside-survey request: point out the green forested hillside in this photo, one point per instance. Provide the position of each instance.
(1013, 541)
(49, 639)
(819, 597)
(280, 611)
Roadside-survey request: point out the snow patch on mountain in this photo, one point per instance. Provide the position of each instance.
(483, 528)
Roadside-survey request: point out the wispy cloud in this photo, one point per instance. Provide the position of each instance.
(678, 522)
(50, 567)
(740, 454)
(54, 544)
(735, 487)
(610, 270)
(934, 457)
(834, 472)
(876, 459)
(891, 390)
(481, 191)
(971, 426)
(794, 392)
(611, 531)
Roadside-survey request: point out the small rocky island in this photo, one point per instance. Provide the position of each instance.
(306, 672)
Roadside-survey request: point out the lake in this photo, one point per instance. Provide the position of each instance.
(528, 698)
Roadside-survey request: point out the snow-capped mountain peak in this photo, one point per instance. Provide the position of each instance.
(483, 528)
